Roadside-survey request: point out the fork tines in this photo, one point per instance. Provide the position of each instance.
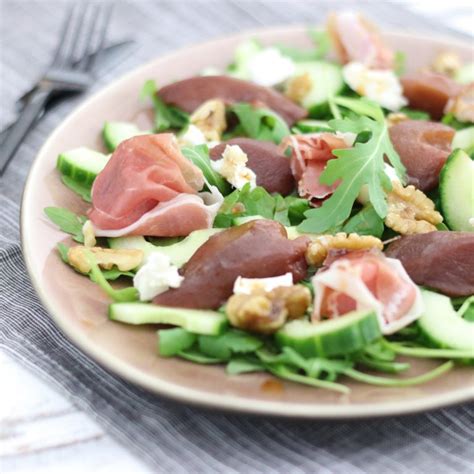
(82, 36)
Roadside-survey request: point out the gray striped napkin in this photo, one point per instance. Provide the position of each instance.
(176, 438)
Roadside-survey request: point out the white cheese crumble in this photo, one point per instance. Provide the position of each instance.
(269, 67)
(232, 166)
(156, 276)
(379, 85)
(245, 286)
(192, 136)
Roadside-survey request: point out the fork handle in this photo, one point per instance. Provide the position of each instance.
(18, 131)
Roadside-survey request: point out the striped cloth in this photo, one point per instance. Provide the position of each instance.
(169, 437)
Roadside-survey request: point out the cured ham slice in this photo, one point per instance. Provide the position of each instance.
(443, 261)
(257, 249)
(174, 218)
(356, 39)
(310, 154)
(149, 188)
(189, 94)
(266, 160)
(366, 280)
(430, 92)
(423, 147)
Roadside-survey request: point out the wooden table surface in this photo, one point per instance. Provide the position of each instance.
(41, 432)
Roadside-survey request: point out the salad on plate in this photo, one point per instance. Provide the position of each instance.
(305, 212)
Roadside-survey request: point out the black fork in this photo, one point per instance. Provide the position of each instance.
(83, 34)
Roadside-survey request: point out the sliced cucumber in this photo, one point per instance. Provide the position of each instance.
(193, 320)
(464, 139)
(115, 133)
(178, 253)
(333, 337)
(327, 81)
(456, 186)
(443, 326)
(82, 164)
(465, 74)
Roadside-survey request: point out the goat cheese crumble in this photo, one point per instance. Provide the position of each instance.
(269, 67)
(232, 166)
(156, 276)
(380, 85)
(246, 286)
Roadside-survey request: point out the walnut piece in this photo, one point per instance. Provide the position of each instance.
(318, 249)
(462, 106)
(209, 117)
(396, 117)
(410, 211)
(298, 87)
(88, 233)
(124, 259)
(447, 63)
(267, 311)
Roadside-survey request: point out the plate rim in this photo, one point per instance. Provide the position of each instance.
(176, 392)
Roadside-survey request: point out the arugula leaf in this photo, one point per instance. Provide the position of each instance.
(259, 123)
(243, 365)
(245, 202)
(365, 222)
(166, 116)
(67, 221)
(173, 341)
(194, 355)
(453, 122)
(355, 167)
(63, 251)
(415, 114)
(229, 343)
(96, 275)
(199, 155)
(81, 189)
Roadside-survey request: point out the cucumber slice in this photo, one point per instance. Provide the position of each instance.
(178, 253)
(327, 81)
(456, 186)
(193, 320)
(115, 133)
(464, 139)
(333, 337)
(82, 164)
(465, 74)
(442, 326)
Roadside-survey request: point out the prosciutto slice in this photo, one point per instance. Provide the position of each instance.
(174, 218)
(365, 280)
(310, 154)
(149, 188)
(423, 147)
(356, 39)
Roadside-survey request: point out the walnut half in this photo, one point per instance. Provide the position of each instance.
(298, 87)
(209, 117)
(124, 259)
(410, 211)
(265, 312)
(318, 249)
